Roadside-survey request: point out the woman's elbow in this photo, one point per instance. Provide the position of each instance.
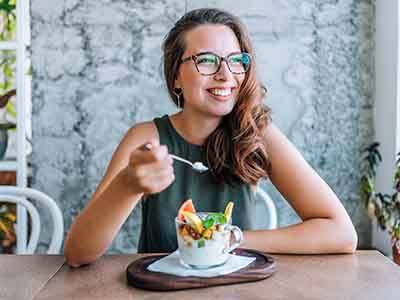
(70, 258)
(349, 240)
(76, 260)
(352, 244)
(75, 256)
(70, 262)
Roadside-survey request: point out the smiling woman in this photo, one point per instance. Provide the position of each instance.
(210, 73)
(221, 85)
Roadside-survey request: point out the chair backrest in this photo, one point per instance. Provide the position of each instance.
(13, 194)
(271, 208)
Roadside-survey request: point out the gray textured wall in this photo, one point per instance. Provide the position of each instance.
(96, 71)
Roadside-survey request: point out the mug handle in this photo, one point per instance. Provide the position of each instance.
(238, 235)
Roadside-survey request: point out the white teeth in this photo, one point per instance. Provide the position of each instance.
(220, 92)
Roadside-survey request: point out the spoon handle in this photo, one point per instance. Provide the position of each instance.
(148, 147)
(181, 159)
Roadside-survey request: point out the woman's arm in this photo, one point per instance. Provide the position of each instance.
(114, 199)
(326, 226)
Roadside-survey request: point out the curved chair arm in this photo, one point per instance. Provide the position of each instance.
(35, 220)
(272, 212)
(58, 224)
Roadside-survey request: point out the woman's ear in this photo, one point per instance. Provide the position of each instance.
(177, 83)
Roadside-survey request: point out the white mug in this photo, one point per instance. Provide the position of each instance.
(201, 253)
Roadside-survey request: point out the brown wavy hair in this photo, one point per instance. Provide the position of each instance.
(236, 150)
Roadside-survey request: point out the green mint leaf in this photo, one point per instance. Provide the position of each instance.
(219, 218)
(208, 222)
(222, 219)
(201, 243)
(214, 214)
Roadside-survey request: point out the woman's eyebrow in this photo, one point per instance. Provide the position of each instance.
(214, 52)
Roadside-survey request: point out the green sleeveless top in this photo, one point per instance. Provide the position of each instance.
(159, 210)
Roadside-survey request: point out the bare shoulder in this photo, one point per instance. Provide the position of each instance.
(296, 180)
(140, 133)
(136, 136)
(272, 133)
(287, 163)
(277, 142)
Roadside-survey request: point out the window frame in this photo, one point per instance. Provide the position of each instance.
(23, 108)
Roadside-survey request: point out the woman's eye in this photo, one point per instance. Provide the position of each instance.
(236, 60)
(206, 60)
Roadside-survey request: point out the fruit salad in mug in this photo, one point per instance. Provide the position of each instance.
(204, 237)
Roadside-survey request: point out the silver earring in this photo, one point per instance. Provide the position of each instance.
(178, 98)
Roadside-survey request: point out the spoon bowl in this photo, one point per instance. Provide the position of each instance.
(197, 166)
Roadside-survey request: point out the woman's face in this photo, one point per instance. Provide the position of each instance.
(211, 95)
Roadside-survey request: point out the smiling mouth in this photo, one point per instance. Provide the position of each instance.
(220, 92)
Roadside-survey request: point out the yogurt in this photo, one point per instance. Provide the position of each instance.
(206, 249)
(203, 253)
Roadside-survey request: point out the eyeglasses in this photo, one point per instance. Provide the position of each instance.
(208, 63)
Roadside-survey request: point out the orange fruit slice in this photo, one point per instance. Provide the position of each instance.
(186, 206)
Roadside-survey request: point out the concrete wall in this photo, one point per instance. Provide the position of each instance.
(96, 72)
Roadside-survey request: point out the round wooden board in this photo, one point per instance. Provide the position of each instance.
(138, 275)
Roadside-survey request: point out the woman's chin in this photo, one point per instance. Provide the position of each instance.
(222, 108)
(215, 108)
(220, 111)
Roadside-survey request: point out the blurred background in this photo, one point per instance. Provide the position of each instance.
(92, 69)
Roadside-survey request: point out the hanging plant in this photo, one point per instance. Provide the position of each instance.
(384, 208)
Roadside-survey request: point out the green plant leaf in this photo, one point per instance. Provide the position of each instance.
(7, 6)
(7, 126)
(208, 223)
(201, 243)
(219, 218)
(11, 109)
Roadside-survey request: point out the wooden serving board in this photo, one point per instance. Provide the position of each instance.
(138, 275)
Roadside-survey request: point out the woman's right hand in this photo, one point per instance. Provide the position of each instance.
(150, 168)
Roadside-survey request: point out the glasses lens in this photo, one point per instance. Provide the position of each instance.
(207, 63)
(239, 63)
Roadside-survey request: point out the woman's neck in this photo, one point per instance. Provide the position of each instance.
(194, 128)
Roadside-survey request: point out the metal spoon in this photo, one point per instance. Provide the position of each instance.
(197, 166)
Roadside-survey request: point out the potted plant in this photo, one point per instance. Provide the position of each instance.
(7, 228)
(384, 208)
(5, 125)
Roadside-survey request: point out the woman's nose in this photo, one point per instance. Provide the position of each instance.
(223, 72)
